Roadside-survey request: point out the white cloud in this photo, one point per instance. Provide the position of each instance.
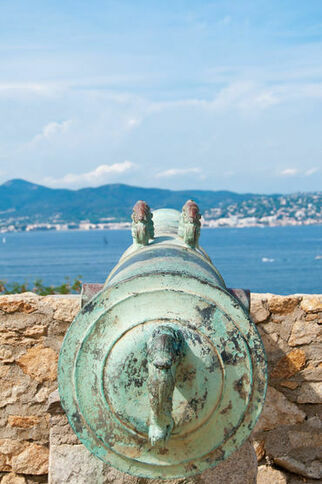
(243, 95)
(23, 86)
(246, 96)
(294, 171)
(97, 177)
(177, 171)
(16, 90)
(289, 172)
(311, 171)
(133, 122)
(52, 129)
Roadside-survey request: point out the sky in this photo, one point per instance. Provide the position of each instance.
(180, 94)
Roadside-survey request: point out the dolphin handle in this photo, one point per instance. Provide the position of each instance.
(164, 351)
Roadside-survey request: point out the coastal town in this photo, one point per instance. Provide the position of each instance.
(262, 211)
(268, 211)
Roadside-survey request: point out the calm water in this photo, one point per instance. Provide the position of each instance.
(281, 260)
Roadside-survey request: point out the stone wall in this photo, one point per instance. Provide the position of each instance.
(287, 438)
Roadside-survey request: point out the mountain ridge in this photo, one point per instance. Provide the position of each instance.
(23, 203)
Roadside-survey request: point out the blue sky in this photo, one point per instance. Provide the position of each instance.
(181, 94)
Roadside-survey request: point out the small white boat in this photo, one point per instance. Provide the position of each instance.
(267, 259)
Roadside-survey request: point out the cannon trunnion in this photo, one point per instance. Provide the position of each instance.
(162, 373)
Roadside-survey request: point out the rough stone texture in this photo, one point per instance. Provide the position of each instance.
(287, 435)
(282, 304)
(289, 365)
(278, 411)
(312, 469)
(268, 475)
(259, 447)
(259, 308)
(40, 363)
(289, 430)
(32, 460)
(241, 467)
(9, 448)
(8, 305)
(23, 422)
(311, 304)
(73, 464)
(311, 393)
(305, 333)
(64, 308)
(13, 479)
(30, 337)
(23, 457)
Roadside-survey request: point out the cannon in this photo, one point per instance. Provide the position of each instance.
(162, 374)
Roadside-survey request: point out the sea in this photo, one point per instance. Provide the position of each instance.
(280, 260)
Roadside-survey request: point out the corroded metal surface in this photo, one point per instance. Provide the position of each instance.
(164, 352)
(88, 292)
(189, 225)
(142, 224)
(162, 373)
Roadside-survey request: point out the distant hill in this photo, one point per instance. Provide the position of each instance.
(23, 203)
(19, 198)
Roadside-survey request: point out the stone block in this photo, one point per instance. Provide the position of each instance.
(258, 308)
(311, 373)
(32, 460)
(313, 469)
(289, 365)
(312, 303)
(64, 308)
(283, 304)
(291, 385)
(9, 448)
(311, 392)
(13, 479)
(61, 432)
(305, 332)
(40, 363)
(9, 305)
(23, 422)
(268, 475)
(73, 464)
(278, 411)
(23, 457)
(296, 448)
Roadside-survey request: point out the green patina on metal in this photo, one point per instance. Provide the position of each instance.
(162, 373)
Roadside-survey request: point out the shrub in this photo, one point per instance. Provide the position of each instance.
(40, 288)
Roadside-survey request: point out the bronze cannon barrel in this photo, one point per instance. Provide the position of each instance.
(166, 254)
(163, 373)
